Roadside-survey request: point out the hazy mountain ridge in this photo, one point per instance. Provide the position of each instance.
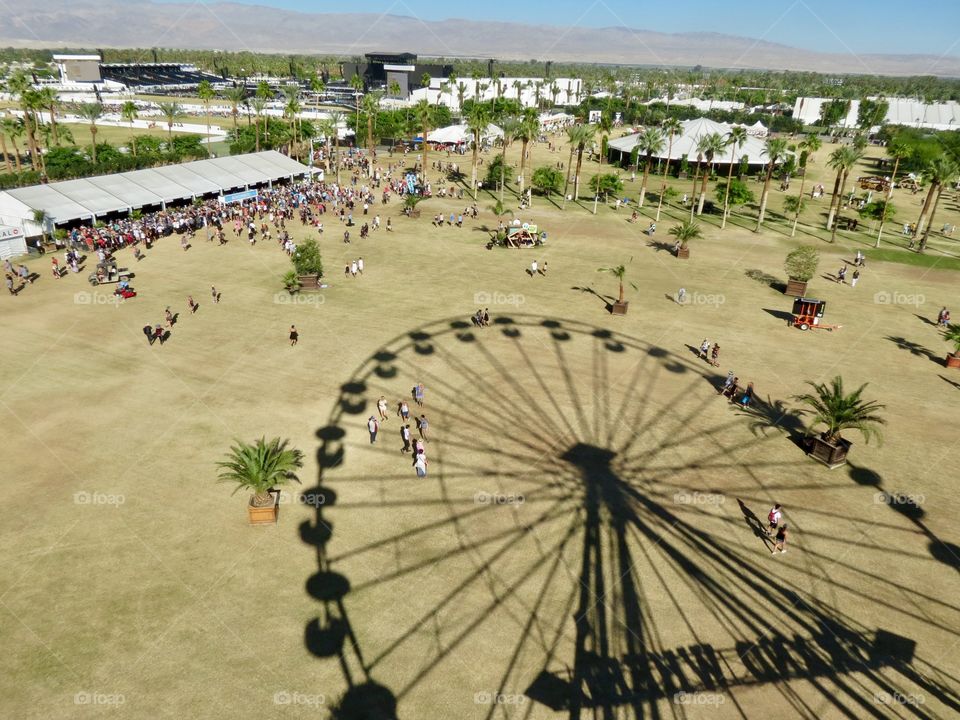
(232, 26)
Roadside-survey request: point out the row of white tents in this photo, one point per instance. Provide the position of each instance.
(692, 132)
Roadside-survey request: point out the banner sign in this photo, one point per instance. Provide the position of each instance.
(239, 196)
(9, 232)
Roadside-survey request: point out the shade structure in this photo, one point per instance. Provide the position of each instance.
(453, 134)
(686, 143)
(93, 197)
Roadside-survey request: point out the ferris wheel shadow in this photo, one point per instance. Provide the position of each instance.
(619, 664)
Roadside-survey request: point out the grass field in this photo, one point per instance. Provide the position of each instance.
(583, 544)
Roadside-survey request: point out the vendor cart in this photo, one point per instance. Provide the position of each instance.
(808, 314)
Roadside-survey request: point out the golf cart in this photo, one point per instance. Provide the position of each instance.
(108, 272)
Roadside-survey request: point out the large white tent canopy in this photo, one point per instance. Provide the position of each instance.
(453, 134)
(686, 143)
(97, 196)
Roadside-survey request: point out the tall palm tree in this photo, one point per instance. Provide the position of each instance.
(898, 150)
(206, 94)
(477, 120)
(461, 92)
(424, 114)
(13, 128)
(129, 112)
(841, 160)
(604, 126)
(336, 119)
(809, 144)
(670, 128)
(236, 95)
(394, 89)
(260, 467)
(586, 135)
(833, 407)
(650, 143)
(292, 110)
(20, 87)
(371, 107)
(510, 127)
(171, 112)
(258, 105)
(317, 87)
(709, 145)
(775, 151)
(736, 139)
(942, 171)
(527, 130)
(91, 112)
(849, 158)
(696, 182)
(47, 97)
(3, 145)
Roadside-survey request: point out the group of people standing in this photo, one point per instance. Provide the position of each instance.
(416, 446)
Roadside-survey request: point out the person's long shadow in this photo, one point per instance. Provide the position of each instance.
(753, 522)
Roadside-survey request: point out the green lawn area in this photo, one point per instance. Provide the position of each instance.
(586, 529)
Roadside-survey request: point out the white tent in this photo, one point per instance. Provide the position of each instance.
(12, 242)
(686, 143)
(758, 129)
(454, 134)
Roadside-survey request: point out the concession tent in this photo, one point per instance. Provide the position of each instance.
(455, 134)
(12, 242)
(94, 197)
(686, 144)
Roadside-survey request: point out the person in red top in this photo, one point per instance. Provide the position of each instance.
(773, 519)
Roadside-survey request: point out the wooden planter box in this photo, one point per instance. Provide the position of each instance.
(414, 213)
(683, 253)
(619, 308)
(264, 515)
(796, 288)
(308, 282)
(833, 455)
(953, 361)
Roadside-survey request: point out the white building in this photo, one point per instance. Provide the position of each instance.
(902, 111)
(558, 91)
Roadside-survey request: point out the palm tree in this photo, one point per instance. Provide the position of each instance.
(258, 105)
(942, 171)
(424, 115)
(952, 335)
(477, 120)
(129, 112)
(527, 129)
(670, 127)
(775, 150)
(91, 112)
(461, 91)
(371, 107)
(686, 231)
(510, 127)
(604, 126)
(20, 87)
(585, 135)
(898, 150)
(171, 111)
(336, 119)
(736, 139)
(3, 144)
(849, 159)
(236, 95)
(317, 87)
(650, 143)
(841, 160)
(260, 467)
(619, 272)
(839, 411)
(394, 89)
(13, 128)
(573, 138)
(47, 97)
(206, 94)
(797, 204)
(356, 82)
(42, 218)
(709, 145)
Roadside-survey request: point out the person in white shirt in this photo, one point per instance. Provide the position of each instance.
(773, 519)
(533, 269)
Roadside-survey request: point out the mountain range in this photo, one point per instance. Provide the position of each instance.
(233, 26)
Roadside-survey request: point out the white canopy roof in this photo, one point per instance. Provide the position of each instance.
(461, 133)
(686, 143)
(91, 197)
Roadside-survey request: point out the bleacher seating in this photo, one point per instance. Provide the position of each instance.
(155, 74)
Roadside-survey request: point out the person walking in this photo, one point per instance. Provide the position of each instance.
(294, 335)
(418, 391)
(854, 278)
(405, 436)
(9, 282)
(214, 295)
(168, 316)
(773, 519)
(842, 275)
(422, 426)
(747, 396)
(403, 410)
(727, 383)
(353, 268)
(382, 408)
(374, 427)
(420, 465)
(533, 269)
(780, 540)
(704, 349)
(191, 303)
(360, 265)
(681, 296)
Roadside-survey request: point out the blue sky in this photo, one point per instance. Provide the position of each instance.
(863, 26)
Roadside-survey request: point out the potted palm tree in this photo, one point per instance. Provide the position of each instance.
(952, 334)
(308, 264)
(261, 467)
(685, 232)
(619, 271)
(801, 266)
(410, 203)
(839, 411)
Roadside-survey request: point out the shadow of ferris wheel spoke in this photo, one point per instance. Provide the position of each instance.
(604, 546)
